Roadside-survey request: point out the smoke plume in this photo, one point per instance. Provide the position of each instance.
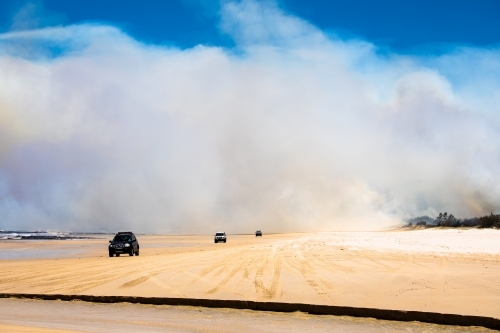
(293, 129)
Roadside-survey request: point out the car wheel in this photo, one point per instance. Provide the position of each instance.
(117, 254)
(137, 252)
(224, 241)
(131, 253)
(110, 254)
(215, 241)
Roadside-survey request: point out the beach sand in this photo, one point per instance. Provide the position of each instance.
(448, 271)
(46, 316)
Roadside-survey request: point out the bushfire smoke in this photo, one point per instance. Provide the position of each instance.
(292, 129)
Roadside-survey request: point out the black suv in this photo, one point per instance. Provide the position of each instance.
(258, 233)
(124, 242)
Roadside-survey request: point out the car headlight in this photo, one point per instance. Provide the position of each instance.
(127, 245)
(111, 245)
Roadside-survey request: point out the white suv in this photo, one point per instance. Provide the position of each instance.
(220, 236)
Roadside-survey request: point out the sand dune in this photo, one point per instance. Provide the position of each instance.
(448, 271)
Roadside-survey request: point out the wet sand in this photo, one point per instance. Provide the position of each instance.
(43, 249)
(446, 271)
(47, 316)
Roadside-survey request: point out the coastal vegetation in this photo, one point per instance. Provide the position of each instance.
(449, 220)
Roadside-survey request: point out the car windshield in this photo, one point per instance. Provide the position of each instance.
(219, 234)
(122, 238)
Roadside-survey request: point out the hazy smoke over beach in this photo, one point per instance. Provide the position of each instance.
(292, 129)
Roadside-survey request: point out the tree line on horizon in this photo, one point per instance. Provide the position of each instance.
(445, 220)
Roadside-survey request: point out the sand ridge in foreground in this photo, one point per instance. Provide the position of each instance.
(390, 270)
(126, 317)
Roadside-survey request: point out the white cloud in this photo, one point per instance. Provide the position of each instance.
(292, 130)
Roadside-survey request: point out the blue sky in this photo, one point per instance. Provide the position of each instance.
(403, 26)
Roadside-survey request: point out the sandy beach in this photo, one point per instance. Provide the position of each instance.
(447, 271)
(451, 271)
(36, 316)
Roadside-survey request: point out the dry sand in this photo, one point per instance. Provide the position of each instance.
(46, 316)
(450, 271)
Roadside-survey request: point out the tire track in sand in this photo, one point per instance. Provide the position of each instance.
(139, 280)
(309, 273)
(226, 279)
(275, 282)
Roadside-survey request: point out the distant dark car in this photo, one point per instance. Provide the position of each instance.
(258, 233)
(124, 242)
(220, 236)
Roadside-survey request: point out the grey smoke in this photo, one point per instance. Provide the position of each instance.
(292, 130)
